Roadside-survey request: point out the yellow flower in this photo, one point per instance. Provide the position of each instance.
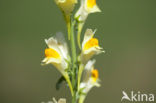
(87, 7)
(90, 80)
(57, 53)
(66, 6)
(90, 46)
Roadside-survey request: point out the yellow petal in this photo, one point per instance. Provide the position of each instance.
(91, 3)
(51, 53)
(94, 74)
(93, 42)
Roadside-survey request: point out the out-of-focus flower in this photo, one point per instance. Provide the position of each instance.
(90, 46)
(61, 100)
(57, 53)
(90, 80)
(66, 6)
(91, 76)
(87, 7)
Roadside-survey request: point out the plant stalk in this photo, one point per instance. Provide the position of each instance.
(74, 61)
(81, 67)
(80, 26)
(82, 98)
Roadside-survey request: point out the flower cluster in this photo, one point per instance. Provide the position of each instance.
(78, 68)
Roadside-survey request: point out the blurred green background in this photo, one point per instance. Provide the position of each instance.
(126, 30)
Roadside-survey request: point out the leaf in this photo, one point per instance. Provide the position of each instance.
(59, 82)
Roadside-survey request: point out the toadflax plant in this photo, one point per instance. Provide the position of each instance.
(77, 69)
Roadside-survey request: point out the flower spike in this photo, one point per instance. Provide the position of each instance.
(78, 70)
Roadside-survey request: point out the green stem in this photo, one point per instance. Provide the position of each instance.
(70, 28)
(74, 61)
(80, 26)
(74, 99)
(82, 98)
(68, 22)
(79, 75)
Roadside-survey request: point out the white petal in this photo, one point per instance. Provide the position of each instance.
(97, 84)
(52, 43)
(51, 60)
(61, 1)
(45, 59)
(88, 68)
(81, 14)
(95, 9)
(89, 85)
(93, 50)
(82, 85)
(62, 45)
(88, 54)
(90, 64)
(86, 86)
